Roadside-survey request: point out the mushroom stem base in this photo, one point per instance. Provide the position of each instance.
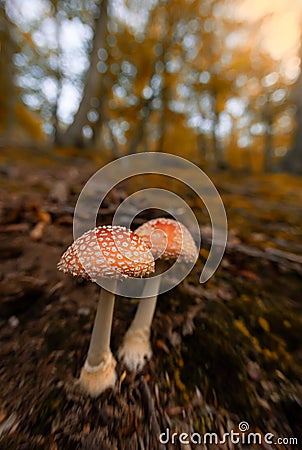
(96, 379)
(136, 349)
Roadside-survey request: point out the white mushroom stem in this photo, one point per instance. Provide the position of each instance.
(146, 307)
(100, 337)
(136, 347)
(98, 372)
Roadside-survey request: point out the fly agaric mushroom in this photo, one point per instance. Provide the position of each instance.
(112, 252)
(168, 240)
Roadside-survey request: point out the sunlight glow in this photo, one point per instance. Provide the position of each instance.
(280, 29)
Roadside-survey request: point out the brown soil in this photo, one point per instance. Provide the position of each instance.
(226, 352)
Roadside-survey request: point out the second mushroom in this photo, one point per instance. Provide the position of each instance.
(168, 240)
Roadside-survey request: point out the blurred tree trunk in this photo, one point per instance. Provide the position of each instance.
(202, 146)
(268, 138)
(58, 71)
(73, 135)
(104, 128)
(7, 88)
(163, 119)
(138, 136)
(218, 151)
(292, 161)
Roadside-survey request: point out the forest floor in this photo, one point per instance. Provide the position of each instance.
(226, 352)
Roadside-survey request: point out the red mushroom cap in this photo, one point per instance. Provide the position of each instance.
(168, 239)
(108, 252)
